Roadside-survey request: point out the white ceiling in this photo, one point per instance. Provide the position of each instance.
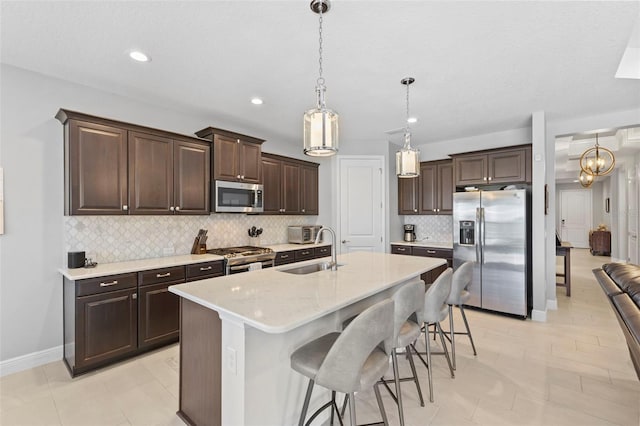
(480, 67)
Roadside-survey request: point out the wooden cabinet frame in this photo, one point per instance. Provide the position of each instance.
(290, 185)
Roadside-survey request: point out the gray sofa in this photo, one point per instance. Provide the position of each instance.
(621, 284)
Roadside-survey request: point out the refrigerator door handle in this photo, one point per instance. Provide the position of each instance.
(482, 234)
(478, 237)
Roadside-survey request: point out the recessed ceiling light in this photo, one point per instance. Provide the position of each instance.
(576, 181)
(256, 101)
(412, 120)
(139, 56)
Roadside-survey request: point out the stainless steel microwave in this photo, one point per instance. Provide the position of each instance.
(237, 197)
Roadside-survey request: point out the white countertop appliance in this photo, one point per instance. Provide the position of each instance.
(303, 234)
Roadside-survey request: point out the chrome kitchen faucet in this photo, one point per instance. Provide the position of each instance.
(334, 262)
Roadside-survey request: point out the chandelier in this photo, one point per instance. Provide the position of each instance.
(320, 123)
(408, 158)
(597, 161)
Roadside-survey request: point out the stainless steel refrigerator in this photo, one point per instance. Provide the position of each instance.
(492, 229)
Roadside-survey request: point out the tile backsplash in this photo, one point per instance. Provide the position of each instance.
(118, 238)
(432, 228)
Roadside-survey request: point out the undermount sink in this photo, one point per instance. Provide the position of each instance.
(308, 269)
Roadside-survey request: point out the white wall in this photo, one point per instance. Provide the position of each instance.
(31, 152)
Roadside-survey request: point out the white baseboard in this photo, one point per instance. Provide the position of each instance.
(552, 305)
(540, 316)
(35, 359)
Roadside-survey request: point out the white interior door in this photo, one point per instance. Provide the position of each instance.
(632, 215)
(575, 216)
(361, 208)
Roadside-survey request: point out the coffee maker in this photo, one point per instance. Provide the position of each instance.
(409, 233)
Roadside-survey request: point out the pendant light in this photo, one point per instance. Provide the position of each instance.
(586, 179)
(597, 161)
(408, 158)
(320, 123)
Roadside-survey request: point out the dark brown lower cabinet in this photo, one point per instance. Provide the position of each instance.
(106, 327)
(107, 319)
(159, 319)
(430, 276)
(300, 255)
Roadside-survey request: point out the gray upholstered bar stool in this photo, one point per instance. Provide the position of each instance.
(349, 361)
(407, 320)
(459, 295)
(436, 310)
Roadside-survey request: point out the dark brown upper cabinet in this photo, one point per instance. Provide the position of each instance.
(430, 193)
(236, 157)
(436, 187)
(114, 168)
(499, 166)
(290, 185)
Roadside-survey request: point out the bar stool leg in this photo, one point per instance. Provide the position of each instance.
(415, 375)
(383, 413)
(444, 346)
(453, 336)
(352, 409)
(305, 406)
(428, 345)
(396, 379)
(466, 324)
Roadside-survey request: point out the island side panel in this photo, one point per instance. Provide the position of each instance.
(200, 365)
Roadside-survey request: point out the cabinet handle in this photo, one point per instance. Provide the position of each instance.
(489, 178)
(134, 296)
(284, 256)
(401, 249)
(484, 178)
(431, 251)
(237, 176)
(178, 208)
(114, 282)
(435, 210)
(303, 210)
(415, 210)
(125, 207)
(238, 140)
(208, 268)
(241, 176)
(171, 208)
(304, 253)
(163, 275)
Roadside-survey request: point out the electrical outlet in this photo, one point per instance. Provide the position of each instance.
(168, 251)
(231, 360)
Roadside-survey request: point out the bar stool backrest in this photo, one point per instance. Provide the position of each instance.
(409, 304)
(371, 331)
(460, 281)
(435, 307)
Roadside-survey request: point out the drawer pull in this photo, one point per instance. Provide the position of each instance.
(304, 253)
(401, 249)
(431, 251)
(163, 275)
(114, 282)
(284, 256)
(208, 268)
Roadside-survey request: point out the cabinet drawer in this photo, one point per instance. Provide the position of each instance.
(105, 284)
(304, 254)
(401, 249)
(214, 268)
(432, 252)
(322, 251)
(164, 275)
(284, 257)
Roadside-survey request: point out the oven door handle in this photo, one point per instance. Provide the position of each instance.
(239, 267)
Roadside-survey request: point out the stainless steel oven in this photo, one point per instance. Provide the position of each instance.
(245, 258)
(237, 197)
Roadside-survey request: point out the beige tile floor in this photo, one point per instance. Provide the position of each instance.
(572, 370)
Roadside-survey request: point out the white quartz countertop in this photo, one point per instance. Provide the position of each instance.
(276, 302)
(286, 247)
(104, 269)
(432, 244)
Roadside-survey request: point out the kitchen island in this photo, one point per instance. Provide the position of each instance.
(238, 332)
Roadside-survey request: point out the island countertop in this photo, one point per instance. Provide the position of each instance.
(276, 302)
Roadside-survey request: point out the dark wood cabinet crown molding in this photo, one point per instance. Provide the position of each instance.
(209, 132)
(491, 150)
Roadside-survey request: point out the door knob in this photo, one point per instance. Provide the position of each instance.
(345, 241)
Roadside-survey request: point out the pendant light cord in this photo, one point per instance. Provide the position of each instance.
(320, 80)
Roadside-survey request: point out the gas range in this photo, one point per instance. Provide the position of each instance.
(238, 259)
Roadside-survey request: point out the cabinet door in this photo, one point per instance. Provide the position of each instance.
(428, 188)
(150, 174)
(159, 315)
(191, 177)
(470, 170)
(507, 166)
(408, 195)
(250, 168)
(105, 326)
(309, 193)
(446, 188)
(291, 188)
(226, 154)
(272, 182)
(96, 170)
